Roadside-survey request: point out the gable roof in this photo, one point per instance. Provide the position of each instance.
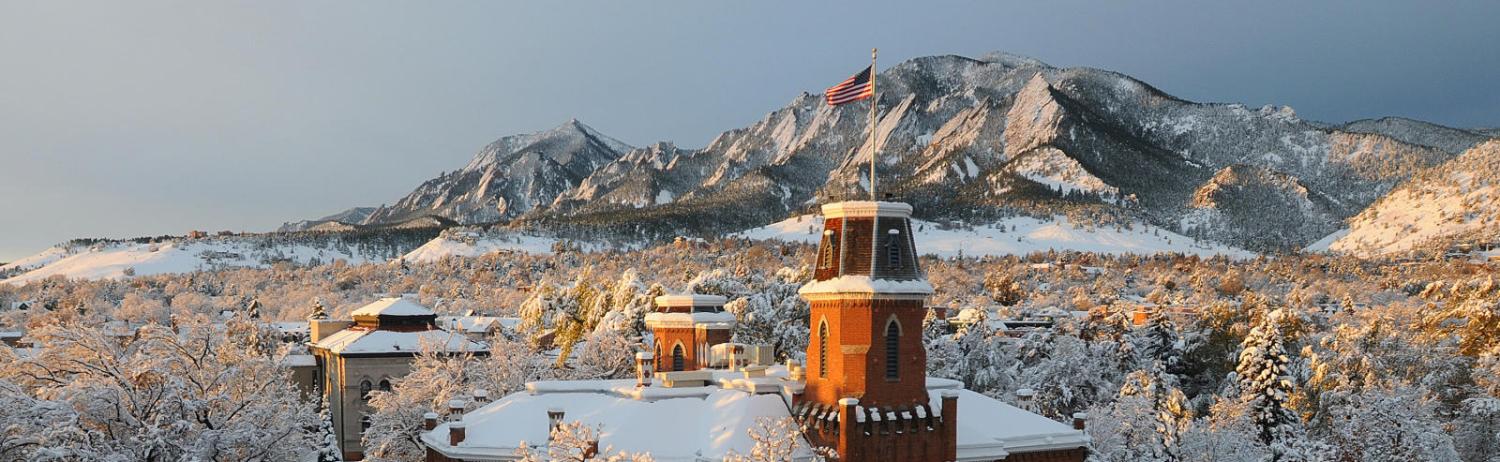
(393, 306)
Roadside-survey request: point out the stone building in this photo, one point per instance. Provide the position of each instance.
(863, 393)
(369, 353)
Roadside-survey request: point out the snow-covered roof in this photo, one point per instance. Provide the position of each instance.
(985, 422)
(867, 209)
(691, 300)
(477, 324)
(706, 423)
(299, 361)
(362, 340)
(720, 319)
(858, 284)
(393, 306)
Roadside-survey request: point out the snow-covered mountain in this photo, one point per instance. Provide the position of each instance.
(351, 216)
(509, 177)
(977, 140)
(1458, 201)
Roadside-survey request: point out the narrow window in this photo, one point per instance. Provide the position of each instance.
(825, 258)
(892, 351)
(364, 424)
(823, 350)
(677, 357)
(364, 390)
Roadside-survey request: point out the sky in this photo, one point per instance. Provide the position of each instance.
(123, 119)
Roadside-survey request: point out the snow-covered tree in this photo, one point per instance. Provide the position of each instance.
(325, 440)
(1267, 388)
(161, 394)
(576, 442)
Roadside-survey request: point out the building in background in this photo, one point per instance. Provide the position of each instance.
(353, 358)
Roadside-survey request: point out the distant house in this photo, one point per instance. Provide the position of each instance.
(353, 358)
(12, 338)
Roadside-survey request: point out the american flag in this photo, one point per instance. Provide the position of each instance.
(855, 88)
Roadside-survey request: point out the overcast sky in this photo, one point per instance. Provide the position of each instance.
(122, 119)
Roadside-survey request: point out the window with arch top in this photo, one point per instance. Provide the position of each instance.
(385, 385)
(827, 254)
(364, 389)
(893, 350)
(678, 360)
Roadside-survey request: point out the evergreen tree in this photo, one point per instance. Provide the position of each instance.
(1266, 386)
(326, 441)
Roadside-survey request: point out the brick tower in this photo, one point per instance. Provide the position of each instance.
(686, 327)
(866, 394)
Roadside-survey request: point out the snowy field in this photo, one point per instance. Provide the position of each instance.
(113, 260)
(476, 244)
(1030, 235)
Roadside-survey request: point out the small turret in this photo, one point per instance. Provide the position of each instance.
(686, 327)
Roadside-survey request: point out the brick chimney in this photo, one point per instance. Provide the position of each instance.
(429, 421)
(456, 409)
(950, 424)
(455, 433)
(1079, 419)
(554, 420)
(481, 397)
(1025, 398)
(644, 363)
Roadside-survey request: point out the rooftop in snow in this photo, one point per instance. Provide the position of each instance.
(393, 306)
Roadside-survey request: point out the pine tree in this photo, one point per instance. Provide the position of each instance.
(1266, 386)
(326, 440)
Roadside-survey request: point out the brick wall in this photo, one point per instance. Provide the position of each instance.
(857, 356)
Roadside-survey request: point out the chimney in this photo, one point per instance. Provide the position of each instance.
(554, 420)
(643, 368)
(456, 409)
(950, 424)
(1079, 419)
(481, 397)
(429, 421)
(848, 429)
(1024, 399)
(455, 433)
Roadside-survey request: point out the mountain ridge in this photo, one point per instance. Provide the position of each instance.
(965, 139)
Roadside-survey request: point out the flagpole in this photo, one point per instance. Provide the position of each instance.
(874, 100)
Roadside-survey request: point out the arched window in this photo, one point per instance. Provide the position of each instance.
(893, 350)
(385, 385)
(677, 358)
(826, 257)
(823, 350)
(364, 390)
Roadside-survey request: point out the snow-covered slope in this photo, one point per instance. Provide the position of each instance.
(960, 138)
(113, 260)
(474, 244)
(1016, 236)
(1456, 201)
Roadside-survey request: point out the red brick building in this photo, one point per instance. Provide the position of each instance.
(685, 328)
